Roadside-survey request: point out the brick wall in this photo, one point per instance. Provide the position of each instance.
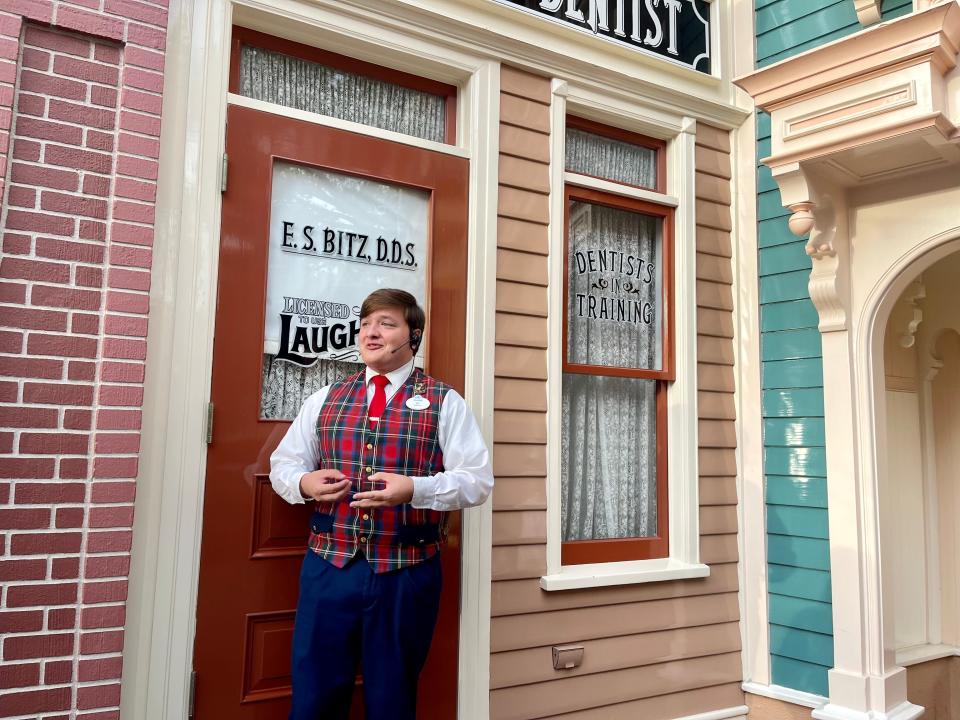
(80, 101)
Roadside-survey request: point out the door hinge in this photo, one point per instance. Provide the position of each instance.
(192, 707)
(209, 423)
(223, 173)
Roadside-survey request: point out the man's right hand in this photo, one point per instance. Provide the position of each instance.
(324, 485)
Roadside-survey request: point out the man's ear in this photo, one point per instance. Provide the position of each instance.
(415, 338)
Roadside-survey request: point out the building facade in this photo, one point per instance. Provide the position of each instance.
(688, 262)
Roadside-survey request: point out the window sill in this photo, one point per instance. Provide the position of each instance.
(574, 577)
(924, 653)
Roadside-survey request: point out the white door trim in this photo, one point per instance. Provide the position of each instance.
(165, 562)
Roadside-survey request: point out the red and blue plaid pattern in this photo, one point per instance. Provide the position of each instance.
(404, 441)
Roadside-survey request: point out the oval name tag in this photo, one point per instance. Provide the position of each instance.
(418, 402)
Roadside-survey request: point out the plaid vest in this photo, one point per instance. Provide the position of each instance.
(404, 441)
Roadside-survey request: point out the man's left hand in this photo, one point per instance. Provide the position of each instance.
(398, 489)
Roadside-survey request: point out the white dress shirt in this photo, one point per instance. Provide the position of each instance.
(467, 477)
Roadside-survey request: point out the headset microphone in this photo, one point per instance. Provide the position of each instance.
(400, 347)
(413, 341)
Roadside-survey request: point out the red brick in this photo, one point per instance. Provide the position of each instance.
(113, 467)
(35, 82)
(80, 159)
(142, 101)
(10, 341)
(134, 234)
(16, 467)
(92, 230)
(110, 616)
(133, 212)
(57, 41)
(135, 189)
(122, 372)
(27, 647)
(119, 419)
(66, 297)
(34, 701)
(61, 346)
(63, 618)
(109, 541)
(49, 493)
(140, 123)
(23, 570)
(53, 443)
(34, 105)
(143, 79)
(77, 419)
(58, 672)
(33, 319)
(124, 349)
(22, 675)
(85, 70)
(69, 518)
(26, 150)
(35, 59)
(80, 114)
(91, 23)
(139, 57)
(113, 591)
(113, 492)
(24, 518)
(98, 696)
(71, 252)
(65, 568)
(106, 53)
(36, 270)
(97, 140)
(137, 167)
(137, 145)
(107, 668)
(23, 197)
(103, 96)
(88, 276)
(40, 222)
(21, 621)
(10, 25)
(6, 446)
(13, 292)
(14, 244)
(73, 204)
(98, 643)
(46, 130)
(73, 468)
(82, 371)
(96, 185)
(121, 395)
(126, 326)
(45, 543)
(45, 177)
(128, 279)
(42, 595)
(28, 417)
(146, 36)
(8, 392)
(137, 11)
(57, 394)
(8, 74)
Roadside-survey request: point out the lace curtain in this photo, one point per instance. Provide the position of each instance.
(608, 444)
(610, 159)
(305, 85)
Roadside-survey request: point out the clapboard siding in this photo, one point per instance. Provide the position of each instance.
(798, 557)
(656, 650)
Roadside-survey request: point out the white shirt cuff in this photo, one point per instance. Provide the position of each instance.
(424, 491)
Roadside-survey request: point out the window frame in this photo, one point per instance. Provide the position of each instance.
(245, 36)
(606, 550)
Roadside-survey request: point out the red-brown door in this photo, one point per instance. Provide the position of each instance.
(253, 542)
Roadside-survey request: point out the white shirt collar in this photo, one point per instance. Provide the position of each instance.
(396, 377)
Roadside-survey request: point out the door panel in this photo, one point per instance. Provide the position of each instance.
(253, 542)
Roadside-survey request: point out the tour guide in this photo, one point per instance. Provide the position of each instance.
(386, 454)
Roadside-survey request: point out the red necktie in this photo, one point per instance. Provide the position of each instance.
(379, 402)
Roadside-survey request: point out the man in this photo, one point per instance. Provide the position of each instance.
(386, 454)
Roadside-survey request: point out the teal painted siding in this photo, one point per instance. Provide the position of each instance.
(798, 545)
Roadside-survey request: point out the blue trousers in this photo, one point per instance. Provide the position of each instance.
(349, 617)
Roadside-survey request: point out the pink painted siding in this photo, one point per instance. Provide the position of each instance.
(80, 100)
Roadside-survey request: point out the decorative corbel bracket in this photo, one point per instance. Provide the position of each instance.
(815, 216)
(912, 296)
(868, 11)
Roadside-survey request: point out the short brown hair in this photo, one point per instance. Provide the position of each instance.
(395, 298)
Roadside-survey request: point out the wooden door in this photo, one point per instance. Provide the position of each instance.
(253, 542)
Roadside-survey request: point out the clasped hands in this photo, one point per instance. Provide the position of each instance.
(334, 486)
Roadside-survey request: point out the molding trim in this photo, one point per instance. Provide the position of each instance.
(785, 694)
(738, 712)
(904, 711)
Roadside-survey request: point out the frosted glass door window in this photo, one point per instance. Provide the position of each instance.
(334, 239)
